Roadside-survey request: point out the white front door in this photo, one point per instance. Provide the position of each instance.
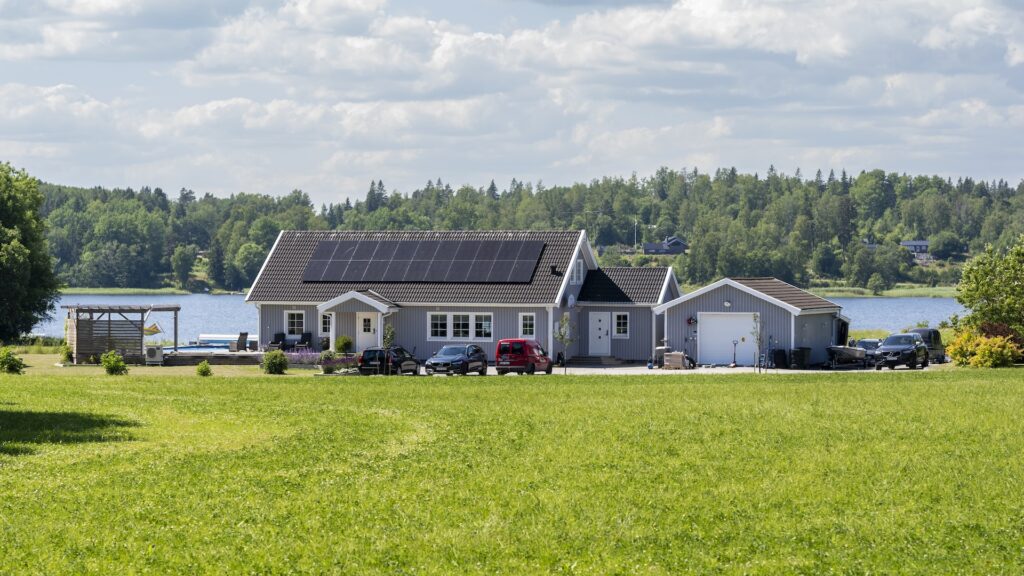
(716, 332)
(366, 330)
(600, 334)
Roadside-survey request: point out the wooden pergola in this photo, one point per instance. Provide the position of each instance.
(93, 329)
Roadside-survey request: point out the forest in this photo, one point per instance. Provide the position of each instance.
(828, 228)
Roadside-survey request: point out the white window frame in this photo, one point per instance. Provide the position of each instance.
(615, 325)
(450, 327)
(533, 319)
(287, 324)
(330, 327)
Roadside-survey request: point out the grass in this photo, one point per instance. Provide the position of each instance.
(911, 472)
(124, 291)
(900, 291)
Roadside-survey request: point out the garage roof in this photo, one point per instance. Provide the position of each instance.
(787, 296)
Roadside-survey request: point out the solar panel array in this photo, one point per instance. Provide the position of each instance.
(491, 261)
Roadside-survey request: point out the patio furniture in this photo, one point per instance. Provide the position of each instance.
(277, 343)
(240, 344)
(305, 343)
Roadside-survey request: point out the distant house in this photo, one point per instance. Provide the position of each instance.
(671, 245)
(457, 287)
(916, 246)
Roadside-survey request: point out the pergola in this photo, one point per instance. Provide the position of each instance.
(93, 329)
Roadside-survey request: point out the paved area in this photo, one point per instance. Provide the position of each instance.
(637, 370)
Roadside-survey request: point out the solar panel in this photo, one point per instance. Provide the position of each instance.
(423, 261)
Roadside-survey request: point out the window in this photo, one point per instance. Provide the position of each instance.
(578, 272)
(527, 325)
(464, 326)
(439, 326)
(325, 324)
(367, 326)
(621, 325)
(460, 325)
(295, 322)
(482, 326)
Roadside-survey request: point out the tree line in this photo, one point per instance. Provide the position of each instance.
(828, 227)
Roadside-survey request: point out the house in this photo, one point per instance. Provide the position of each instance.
(671, 245)
(916, 246)
(723, 321)
(437, 288)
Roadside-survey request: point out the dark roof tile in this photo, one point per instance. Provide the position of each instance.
(624, 284)
(787, 293)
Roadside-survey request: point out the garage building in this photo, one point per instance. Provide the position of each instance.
(723, 321)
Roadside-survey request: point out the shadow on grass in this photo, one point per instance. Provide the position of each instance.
(18, 428)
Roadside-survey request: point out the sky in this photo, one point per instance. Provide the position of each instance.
(326, 95)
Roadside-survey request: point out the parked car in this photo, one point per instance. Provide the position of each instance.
(394, 360)
(870, 346)
(933, 340)
(457, 360)
(898, 349)
(521, 355)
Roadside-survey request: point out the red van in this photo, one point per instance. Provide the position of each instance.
(521, 355)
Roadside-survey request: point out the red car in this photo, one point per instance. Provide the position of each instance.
(521, 355)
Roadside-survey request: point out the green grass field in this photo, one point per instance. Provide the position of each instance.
(161, 471)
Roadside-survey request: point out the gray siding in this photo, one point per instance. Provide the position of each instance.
(272, 321)
(636, 348)
(817, 332)
(411, 326)
(775, 321)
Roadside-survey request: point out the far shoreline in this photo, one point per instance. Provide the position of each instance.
(167, 291)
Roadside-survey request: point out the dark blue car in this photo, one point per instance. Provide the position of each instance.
(461, 359)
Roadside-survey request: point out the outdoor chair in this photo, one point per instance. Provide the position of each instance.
(305, 342)
(240, 344)
(277, 343)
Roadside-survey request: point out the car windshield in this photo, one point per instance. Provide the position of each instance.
(899, 340)
(868, 344)
(452, 351)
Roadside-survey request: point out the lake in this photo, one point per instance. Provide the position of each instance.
(229, 314)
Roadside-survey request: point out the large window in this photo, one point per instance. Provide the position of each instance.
(439, 326)
(527, 325)
(460, 326)
(622, 324)
(295, 322)
(325, 324)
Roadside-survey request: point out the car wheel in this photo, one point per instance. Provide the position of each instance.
(530, 368)
(878, 367)
(925, 363)
(550, 368)
(483, 370)
(912, 364)
(502, 372)
(465, 369)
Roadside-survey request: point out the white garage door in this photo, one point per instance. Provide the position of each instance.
(716, 332)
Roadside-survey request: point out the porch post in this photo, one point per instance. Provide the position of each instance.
(380, 329)
(334, 330)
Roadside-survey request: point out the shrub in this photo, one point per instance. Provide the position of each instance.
(65, 354)
(389, 336)
(9, 361)
(275, 362)
(203, 369)
(971, 348)
(327, 361)
(343, 344)
(994, 352)
(113, 364)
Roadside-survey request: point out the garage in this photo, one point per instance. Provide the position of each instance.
(716, 332)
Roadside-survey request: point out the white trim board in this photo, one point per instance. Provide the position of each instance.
(742, 288)
(353, 295)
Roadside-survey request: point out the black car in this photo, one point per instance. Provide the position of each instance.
(458, 360)
(933, 340)
(906, 349)
(388, 361)
(870, 346)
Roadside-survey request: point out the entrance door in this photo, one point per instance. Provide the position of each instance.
(600, 334)
(366, 330)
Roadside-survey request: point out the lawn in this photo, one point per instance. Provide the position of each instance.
(914, 472)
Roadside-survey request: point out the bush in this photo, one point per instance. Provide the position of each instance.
(343, 344)
(203, 369)
(65, 354)
(327, 361)
(113, 364)
(275, 362)
(971, 348)
(9, 361)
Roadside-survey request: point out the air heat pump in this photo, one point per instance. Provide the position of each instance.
(154, 356)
